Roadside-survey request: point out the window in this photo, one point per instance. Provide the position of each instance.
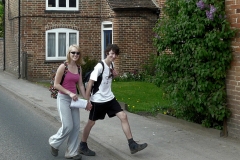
(69, 5)
(106, 36)
(58, 41)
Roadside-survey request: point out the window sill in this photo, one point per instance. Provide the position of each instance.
(62, 11)
(53, 61)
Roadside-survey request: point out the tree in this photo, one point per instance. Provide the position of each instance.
(194, 42)
(1, 19)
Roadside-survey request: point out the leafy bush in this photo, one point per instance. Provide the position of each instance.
(147, 74)
(89, 65)
(129, 76)
(194, 42)
(1, 19)
(149, 69)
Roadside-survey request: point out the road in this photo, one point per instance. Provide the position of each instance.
(25, 130)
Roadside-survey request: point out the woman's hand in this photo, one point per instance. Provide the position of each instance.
(73, 96)
(89, 106)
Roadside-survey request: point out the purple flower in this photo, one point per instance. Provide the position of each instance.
(157, 36)
(222, 16)
(212, 9)
(200, 4)
(209, 15)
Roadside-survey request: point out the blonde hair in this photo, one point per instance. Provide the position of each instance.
(80, 59)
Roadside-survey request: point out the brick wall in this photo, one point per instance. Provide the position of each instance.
(1, 53)
(233, 76)
(132, 31)
(11, 39)
(36, 21)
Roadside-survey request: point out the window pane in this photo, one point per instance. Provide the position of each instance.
(107, 25)
(72, 3)
(51, 45)
(72, 38)
(62, 3)
(51, 3)
(62, 44)
(107, 39)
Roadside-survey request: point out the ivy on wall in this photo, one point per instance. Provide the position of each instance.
(1, 20)
(194, 42)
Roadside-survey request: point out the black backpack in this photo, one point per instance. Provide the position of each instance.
(97, 83)
(54, 91)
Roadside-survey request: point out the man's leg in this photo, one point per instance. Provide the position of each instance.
(125, 125)
(83, 149)
(87, 129)
(134, 147)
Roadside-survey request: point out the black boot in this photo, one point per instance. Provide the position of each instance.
(134, 147)
(83, 149)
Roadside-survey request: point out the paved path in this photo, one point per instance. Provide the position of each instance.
(168, 138)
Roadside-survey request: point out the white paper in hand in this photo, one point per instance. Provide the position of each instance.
(80, 103)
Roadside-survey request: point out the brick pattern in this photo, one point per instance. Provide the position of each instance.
(233, 76)
(134, 36)
(11, 29)
(1, 53)
(116, 4)
(132, 31)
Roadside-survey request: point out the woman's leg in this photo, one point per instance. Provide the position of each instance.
(66, 118)
(73, 140)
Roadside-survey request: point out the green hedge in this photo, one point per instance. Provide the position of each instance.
(194, 42)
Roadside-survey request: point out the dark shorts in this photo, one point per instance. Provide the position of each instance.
(99, 110)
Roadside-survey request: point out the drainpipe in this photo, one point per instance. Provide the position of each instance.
(158, 16)
(158, 13)
(19, 23)
(4, 38)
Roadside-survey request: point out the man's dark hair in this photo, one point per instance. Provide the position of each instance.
(112, 47)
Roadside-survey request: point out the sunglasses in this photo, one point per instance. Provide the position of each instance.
(110, 73)
(75, 53)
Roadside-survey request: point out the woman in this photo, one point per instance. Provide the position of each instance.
(70, 117)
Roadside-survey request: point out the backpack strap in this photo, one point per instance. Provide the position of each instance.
(112, 65)
(65, 71)
(97, 83)
(79, 69)
(79, 74)
(102, 66)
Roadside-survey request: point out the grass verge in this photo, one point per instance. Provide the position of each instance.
(139, 96)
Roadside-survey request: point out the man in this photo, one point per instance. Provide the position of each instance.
(104, 102)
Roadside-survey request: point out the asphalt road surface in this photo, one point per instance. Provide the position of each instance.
(25, 129)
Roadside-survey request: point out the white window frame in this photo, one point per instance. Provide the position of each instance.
(67, 8)
(56, 32)
(102, 35)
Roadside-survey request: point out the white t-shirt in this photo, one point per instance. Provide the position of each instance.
(104, 94)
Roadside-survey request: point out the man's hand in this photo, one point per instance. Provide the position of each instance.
(89, 106)
(115, 73)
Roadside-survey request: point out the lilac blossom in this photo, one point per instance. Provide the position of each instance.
(209, 15)
(157, 36)
(212, 9)
(200, 4)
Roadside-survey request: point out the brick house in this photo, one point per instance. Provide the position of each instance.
(39, 32)
(93, 24)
